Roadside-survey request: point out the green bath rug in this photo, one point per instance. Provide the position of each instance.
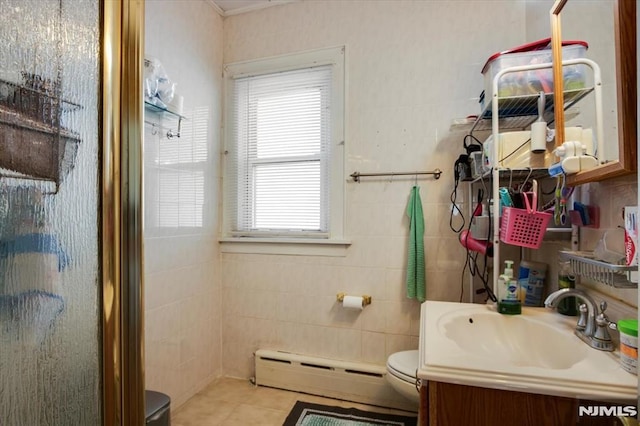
(306, 414)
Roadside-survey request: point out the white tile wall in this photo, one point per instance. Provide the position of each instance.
(610, 196)
(412, 67)
(182, 270)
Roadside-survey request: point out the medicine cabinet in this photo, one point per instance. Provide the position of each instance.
(625, 36)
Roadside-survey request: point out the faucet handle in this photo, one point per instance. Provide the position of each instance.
(601, 319)
(604, 320)
(582, 320)
(601, 338)
(603, 307)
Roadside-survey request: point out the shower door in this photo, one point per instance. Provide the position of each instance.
(66, 348)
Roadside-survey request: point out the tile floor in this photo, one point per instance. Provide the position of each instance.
(229, 402)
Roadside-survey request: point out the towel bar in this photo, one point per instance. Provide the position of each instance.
(357, 175)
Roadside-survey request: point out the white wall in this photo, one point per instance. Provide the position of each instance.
(182, 273)
(412, 66)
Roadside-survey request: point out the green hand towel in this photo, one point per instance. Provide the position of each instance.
(416, 286)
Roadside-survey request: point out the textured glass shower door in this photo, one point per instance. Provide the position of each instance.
(50, 259)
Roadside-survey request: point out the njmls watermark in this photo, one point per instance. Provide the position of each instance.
(607, 411)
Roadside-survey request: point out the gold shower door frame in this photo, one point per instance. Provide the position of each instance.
(122, 53)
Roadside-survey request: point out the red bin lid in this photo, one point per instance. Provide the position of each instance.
(543, 44)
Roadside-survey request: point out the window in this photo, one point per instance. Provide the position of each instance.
(176, 170)
(284, 148)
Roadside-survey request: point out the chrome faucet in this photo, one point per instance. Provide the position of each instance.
(593, 330)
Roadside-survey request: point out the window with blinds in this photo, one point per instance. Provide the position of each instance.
(279, 161)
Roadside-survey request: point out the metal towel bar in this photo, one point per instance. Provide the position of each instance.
(357, 175)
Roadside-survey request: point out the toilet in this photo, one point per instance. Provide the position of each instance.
(401, 374)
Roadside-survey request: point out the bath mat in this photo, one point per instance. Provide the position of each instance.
(306, 414)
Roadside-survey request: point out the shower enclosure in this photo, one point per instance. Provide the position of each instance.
(70, 263)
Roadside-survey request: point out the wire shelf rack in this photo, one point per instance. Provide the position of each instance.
(518, 112)
(583, 263)
(34, 144)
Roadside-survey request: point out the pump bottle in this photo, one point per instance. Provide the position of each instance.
(508, 300)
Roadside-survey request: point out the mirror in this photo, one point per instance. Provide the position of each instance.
(626, 90)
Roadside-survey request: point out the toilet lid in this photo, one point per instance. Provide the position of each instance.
(405, 362)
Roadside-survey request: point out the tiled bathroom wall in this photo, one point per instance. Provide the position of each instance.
(412, 66)
(610, 197)
(182, 273)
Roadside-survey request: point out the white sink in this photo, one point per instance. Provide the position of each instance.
(534, 352)
(520, 340)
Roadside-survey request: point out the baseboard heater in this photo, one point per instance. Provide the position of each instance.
(358, 382)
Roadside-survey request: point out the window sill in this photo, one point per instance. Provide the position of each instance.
(289, 246)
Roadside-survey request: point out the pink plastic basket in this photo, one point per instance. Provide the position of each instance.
(524, 227)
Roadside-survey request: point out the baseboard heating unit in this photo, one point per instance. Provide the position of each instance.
(358, 382)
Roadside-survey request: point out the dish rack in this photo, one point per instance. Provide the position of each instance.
(34, 144)
(584, 263)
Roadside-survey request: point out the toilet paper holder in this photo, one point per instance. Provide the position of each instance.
(366, 300)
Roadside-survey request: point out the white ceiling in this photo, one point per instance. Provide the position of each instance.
(233, 7)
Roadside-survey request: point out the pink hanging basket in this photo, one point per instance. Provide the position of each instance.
(524, 227)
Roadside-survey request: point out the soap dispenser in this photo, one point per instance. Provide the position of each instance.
(508, 300)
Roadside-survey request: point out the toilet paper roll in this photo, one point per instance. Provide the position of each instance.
(539, 137)
(352, 302)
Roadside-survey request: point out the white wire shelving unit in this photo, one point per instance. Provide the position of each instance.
(519, 112)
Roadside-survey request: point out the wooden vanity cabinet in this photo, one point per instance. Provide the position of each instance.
(445, 404)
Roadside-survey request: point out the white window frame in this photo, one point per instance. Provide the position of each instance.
(333, 243)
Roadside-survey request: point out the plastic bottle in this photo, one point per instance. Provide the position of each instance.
(628, 329)
(508, 301)
(568, 305)
(531, 277)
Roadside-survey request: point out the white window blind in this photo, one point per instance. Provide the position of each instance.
(278, 165)
(175, 170)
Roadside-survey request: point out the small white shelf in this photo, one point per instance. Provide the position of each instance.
(157, 110)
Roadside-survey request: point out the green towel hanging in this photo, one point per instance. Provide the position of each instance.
(416, 285)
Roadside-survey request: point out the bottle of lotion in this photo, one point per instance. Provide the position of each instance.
(508, 301)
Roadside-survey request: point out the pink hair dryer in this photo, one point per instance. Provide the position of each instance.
(470, 243)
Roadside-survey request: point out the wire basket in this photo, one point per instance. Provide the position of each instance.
(33, 142)
(524, 227)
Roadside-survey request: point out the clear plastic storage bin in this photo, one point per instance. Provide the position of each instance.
(532, 82)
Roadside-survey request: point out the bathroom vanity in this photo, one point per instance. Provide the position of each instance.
(450, 404)
(479, 367)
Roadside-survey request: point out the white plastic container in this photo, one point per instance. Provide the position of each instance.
(628, 329)
(531, 279)
(532, 82)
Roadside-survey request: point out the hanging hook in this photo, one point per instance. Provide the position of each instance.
(528, 176)
(415, 179)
